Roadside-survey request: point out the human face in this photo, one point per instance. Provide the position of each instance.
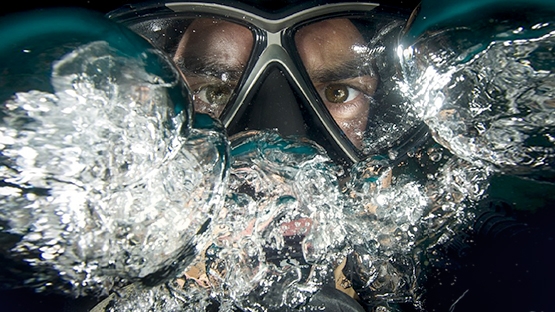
(328, 50)
(212, 55)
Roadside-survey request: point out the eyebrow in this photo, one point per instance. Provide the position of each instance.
(205, 66)
(343, 71)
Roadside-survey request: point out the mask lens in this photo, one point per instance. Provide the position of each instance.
(332, 52)
(212, 54)
(351, 64)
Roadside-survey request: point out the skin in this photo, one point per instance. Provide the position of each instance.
(329, 47)
(214, 53)
(217, 47)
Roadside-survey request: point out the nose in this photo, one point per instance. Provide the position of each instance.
(274, 105)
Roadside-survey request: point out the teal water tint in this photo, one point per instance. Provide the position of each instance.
(39, 27)
(526, 194)
(275, 142)
(481, 74)
(434, 14)
(91, 111)
(33, 41)
(204, 121)
(213, 128)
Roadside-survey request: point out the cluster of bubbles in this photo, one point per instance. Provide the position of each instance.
(489, 98)
(272, 244)
(288, 224)
(104, 184)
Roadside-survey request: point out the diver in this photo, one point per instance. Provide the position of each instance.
(324, 71)
(211, 46)
(321, 71)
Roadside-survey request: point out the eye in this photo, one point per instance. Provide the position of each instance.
(215, 94)
(340, 93)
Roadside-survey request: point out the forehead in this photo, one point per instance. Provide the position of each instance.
(331, 29)
(214, 26)
(327, 42)
(210, 32)
(208, 37)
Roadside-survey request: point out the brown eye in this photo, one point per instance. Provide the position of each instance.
(336, 93)
(215, 94)
(340, 93)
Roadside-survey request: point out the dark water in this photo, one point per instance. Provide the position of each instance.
(462, 223)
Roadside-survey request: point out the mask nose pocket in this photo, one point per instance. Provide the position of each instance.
(274, 105)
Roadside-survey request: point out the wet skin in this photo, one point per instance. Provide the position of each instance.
(213, 54)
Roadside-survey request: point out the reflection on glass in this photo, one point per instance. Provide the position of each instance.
(334, 55)
(212, 55)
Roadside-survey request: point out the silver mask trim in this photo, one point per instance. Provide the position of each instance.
(273, 51)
